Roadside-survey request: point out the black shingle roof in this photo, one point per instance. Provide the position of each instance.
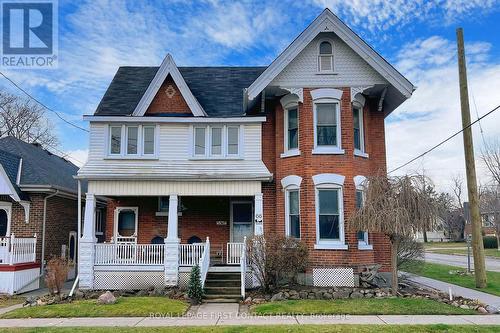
(219, 90)
(39, 167)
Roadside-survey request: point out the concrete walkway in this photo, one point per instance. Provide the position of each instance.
(229, 320)
(485, 298)
(492, 264)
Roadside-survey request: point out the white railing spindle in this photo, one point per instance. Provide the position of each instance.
(17, 250)
(190, 254)
(129, 254)
(233, 253)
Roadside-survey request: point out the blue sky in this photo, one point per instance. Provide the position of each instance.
(418, 37)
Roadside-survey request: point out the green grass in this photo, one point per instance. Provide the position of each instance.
(364, 306)
(8, 301)
(487, 252)
(269, 329)
(441, 272)
(124, 307)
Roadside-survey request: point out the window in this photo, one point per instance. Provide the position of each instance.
(126, 224)
(326, 124)
(359, 182)
(325, 57)
(233, 139)
(329, 214)
(219, 141)
(216, 147)
(199, 141)
(115, 140)
(293, 213)
(292, 128)
(149, 140)
(132, 136)
(357, 115)
(163, 203)
(99, 222)
(138, 141)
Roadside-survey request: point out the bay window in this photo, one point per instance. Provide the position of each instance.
(327, 121)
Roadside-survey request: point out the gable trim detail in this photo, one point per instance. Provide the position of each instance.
(328, 22)
(167, 67)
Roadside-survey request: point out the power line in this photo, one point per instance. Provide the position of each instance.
(445, 140)
(43, 105)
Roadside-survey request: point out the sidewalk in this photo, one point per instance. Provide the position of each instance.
(238, 320)
(485, 298)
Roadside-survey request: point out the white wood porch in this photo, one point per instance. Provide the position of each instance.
(14, 250)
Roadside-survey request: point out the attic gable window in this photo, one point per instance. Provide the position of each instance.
(325, 57)
(132, 141)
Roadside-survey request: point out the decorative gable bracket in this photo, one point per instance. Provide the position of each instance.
(167, 67)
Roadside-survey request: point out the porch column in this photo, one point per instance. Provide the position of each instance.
(87, 245)
(259, 215)
(172, 244)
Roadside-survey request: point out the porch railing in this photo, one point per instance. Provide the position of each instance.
(243, 267)
(17, 250)
(205, 263)
(190, 254)
(129, 254)
(233, 253)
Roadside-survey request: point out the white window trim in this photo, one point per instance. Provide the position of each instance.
(359, 182)
(360, 152)
(208, 143)
(334, 182)
(287, 210)
(123, 144)
(286, 151)
(318, 67)
(327, 96)
(99, 228)
(117, 213)
(222, 140)
(7, 207)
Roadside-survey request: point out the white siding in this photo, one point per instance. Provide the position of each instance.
(174, 159)
(156, 188)
(350, 69)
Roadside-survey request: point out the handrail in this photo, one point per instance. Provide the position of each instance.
(205, 262)
(243, 266)
(15, 250)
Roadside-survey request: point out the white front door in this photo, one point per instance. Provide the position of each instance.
(241, 220)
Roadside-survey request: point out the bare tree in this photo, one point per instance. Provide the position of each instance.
(398, 207)
(490, 155)
(25, 120)
(458, 189)
(490, 208)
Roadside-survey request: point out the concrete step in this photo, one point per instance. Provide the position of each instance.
(219, 298)
(223, 300)
(223, 276)
(222, 283)
(222, 290)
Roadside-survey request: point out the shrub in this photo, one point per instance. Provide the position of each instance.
(195, 291)
(276, 260)
(490, 242)
(56, 274)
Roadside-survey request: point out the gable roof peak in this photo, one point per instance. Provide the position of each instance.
(168, 67)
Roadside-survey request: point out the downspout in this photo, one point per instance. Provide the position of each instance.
(43, 228)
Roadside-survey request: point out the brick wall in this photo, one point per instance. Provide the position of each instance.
(307, 165)
(168, 100)
(61, 219)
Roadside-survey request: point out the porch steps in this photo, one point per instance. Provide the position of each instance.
(223, 287)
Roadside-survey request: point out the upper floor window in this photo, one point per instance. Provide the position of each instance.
(290, 104)
(327, 129)
(216, 141)
(325, 57)
(359, 135)
(129, 141)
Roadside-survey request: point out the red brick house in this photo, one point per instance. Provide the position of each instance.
(38, 212)
(194, 159)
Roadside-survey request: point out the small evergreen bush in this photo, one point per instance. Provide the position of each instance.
(195, 291)
(490, 242)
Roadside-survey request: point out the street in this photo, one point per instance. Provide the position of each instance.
(460, 261)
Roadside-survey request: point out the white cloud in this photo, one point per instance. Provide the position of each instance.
(433, 113)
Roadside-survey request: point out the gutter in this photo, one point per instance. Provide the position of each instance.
(42, 266)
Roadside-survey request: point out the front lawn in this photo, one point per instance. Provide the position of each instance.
(8, 301)
(444, 245)
(267, 329)
(124, 307)
(365, 306)
(442, 273)
(463, 252)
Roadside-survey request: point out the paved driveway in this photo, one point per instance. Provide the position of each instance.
(460, 261)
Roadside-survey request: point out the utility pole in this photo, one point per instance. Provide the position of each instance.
(470, 168)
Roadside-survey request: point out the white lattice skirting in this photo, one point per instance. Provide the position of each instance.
(128, 280)
(184, 279)
(333, 277)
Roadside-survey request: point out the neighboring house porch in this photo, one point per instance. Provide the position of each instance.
(155, 240)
